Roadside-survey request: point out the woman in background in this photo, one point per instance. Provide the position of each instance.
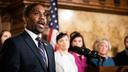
(65, 61)
(5, 34)
(102, 46)
(77, 40)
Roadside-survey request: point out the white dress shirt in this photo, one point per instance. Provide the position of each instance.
(34, 36)
(65, 62)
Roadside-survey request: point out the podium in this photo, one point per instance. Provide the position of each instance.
(108, 69)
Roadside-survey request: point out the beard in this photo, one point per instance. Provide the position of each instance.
(126, 48)
(36, 26)
(36, 30)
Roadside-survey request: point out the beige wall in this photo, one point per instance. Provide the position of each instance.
(93, 25)
(0, 22)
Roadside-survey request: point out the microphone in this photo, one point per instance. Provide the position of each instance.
(79, 50)
(86, 52)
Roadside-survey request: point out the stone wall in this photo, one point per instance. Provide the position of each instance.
(93, 25)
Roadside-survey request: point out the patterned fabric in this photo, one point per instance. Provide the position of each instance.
(54, 27)
(42, 50)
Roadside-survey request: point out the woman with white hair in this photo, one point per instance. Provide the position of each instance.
(102, 46)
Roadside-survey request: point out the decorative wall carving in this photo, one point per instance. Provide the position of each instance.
(107, 6)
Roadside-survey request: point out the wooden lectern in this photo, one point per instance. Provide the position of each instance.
(108, 69)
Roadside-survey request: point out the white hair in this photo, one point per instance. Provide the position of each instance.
(99, 41)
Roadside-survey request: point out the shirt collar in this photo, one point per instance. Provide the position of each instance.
(33, 35)
(63, 53)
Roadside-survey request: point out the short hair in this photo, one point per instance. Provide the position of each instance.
(60, 35)
(99, 41)
(29, 8)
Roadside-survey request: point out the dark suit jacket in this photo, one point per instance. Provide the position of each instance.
(20, 54)
(121, 59)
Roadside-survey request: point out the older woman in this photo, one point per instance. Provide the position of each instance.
(102, 46)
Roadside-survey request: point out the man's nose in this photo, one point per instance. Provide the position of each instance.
(42, 16)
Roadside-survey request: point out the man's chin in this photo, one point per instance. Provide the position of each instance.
(41, 30)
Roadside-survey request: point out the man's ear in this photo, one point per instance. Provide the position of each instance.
(25, 19)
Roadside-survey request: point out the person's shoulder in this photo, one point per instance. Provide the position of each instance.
(19, 35)
(121, 53)
(71, 52)
(57, 55)
(47, 43)
(110, 58)
(71, 55)
(13, 38)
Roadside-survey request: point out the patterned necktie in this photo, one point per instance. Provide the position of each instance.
(41, 49)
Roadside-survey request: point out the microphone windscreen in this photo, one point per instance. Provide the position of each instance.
(76, 50)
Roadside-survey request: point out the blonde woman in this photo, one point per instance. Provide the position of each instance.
(102, 46)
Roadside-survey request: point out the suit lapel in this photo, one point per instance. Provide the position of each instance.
(33, 47)
(49, 54)
(47, 50)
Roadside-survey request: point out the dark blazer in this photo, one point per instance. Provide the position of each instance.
(20, 54)
(121, 59)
